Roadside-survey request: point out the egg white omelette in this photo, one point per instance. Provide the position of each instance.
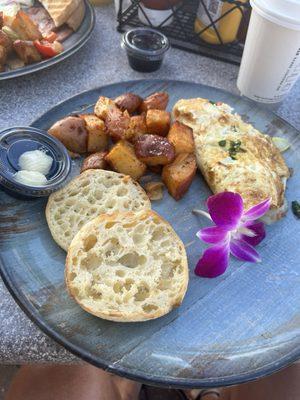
(234, 156)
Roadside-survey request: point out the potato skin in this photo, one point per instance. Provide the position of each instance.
(137, 127)
(179, 175)
(181, 136)
(156, 101)
(122, 159)
(129, 102)
(103, 105)
(97, 136)
(71, 131)
(158, 122)
(95, 161)
(117, 123)
(154, 150)
(6, 41)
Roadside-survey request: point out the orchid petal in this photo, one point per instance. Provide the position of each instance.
(244, 251)
(212, 234)
(226, 209)
(258, 228)
(213, 262)
(257, 211)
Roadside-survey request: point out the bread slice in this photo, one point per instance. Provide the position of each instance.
(128, 266)
(60, 10)
(76, 18)
(91, 193)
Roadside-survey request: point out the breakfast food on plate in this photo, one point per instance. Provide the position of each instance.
(145, 141)
(98, 138)
(32, 31)
(154, 150)
(158, 122)
(129, 102)
(181, 137)
(156, 101)
(126, 267)
(234, 156)
(72, 132)
(122, 158)
(91, 193)
(179, 175)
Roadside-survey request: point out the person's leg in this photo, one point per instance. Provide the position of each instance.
(64, 382)
(284, 385)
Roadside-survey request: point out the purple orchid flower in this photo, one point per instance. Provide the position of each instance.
(236, 232)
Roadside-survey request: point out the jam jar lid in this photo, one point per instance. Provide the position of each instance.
(146, 43)
(18, 140)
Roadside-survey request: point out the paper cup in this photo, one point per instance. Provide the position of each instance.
(271, 59)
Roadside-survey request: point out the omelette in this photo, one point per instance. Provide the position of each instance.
(234, 156)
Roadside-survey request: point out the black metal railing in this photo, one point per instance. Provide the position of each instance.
(181, 31)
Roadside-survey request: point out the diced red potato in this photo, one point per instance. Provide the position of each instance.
(179, 175)
(95, 161)
(129, 102)
(137, 127)
(154, 150)
(158, 122)
(72, 132)
(117, 123)
(181, 136)
(156, 101)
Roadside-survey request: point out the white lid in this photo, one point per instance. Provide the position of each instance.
(282, 12)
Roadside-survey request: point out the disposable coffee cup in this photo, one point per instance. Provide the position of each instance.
(271, 59)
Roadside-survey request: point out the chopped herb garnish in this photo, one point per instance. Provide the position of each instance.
(234, 129)
(212, 102)
(296, 208)
(222, 143)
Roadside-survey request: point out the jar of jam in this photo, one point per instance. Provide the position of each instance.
(145, 48)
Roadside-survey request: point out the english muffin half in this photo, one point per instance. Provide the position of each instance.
(126, 267)
(90, 194)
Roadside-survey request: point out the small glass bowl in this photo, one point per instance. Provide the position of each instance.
(145, 48)
(16, 141)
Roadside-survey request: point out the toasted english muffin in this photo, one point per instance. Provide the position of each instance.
(256, 170)
(126, 267)
(60, 10)
(91, 193)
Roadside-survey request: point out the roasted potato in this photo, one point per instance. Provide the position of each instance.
(158, 122)
(3, 55)
(129, 102)
(181, 136)
(179, 175)
(154, 150)
(117, 122)
(6, 41)
(103, 105)
(71, 131)
(122, 159)
(95, 161)
(156, 101)
(26, 51)
(137, 127)
(97, 136)
(25, 28)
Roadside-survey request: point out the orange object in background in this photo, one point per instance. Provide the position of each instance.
(227, 27)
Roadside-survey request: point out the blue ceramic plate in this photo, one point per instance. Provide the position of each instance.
(71, 45)
(240, 326)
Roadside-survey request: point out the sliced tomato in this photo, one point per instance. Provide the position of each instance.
(47, 49)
